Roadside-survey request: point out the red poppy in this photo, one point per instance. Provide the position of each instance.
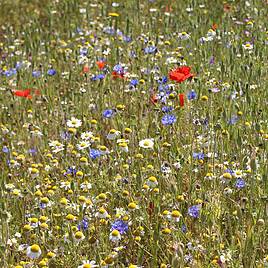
(101, 64)
(26, 93)
(181, 97)
(180, 74)
(117, 75)
(23, 93)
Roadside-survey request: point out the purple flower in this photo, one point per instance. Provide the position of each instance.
(168, 119)
(108, 113)
(212, 60)
(83, 224)
(240, 183)
(228, 170)
(5, 149)
(199, 156)
(120, 226)
(233, 120)
(193, 211)
(127, 39)
(93, 153)
(118, 69)
(71, 170)
(134, 82)
(32, 151)
(191, 95)
(167, 109)
(83, 51)
(36, 73)
(150, 50)
(184, 228)
(51, 72)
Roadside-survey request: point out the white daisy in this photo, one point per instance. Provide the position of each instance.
(115, 236)
(147, 143)
(88, 135)
(74, 123)
(88, 264)
(247, 46)
(102, 213)
(83, 145)
(113, 134)
(78, 237)
(34, 251)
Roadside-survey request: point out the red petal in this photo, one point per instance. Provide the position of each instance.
(181, 96)
(184, 69)
(22, 93)
(101, 64)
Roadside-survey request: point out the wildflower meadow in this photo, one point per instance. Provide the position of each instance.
(133, 134)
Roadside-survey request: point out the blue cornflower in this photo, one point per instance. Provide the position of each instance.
(51, 72)
(184, 228)
(165, 88)
(168, 119)
(32, 151)
(167, 109)
(240, 183)
(100, 76)
(228, 170)
(199, 156)
(83, 51)
(93, 153)
(134, 82)
(65, 135)
(191, 95)
(108, 113)
(71, 170)
(150, 50)
(120, 226)
(132, 54)
(193, 211)
(127, 39)
(10, 72)
(36, 73)
(5, 149)
(233, 120)
(163, 80)
(18, 65)
(118, 69)
(83, 224)
(109, 30)
(212, 60)
(42, 205)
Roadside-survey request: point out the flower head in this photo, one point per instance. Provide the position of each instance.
(180, 74)
(147, 143)
(168, 119)
(120, 225)
(34, 251)
(193, 211)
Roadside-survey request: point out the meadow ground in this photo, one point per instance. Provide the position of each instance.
(133, 134)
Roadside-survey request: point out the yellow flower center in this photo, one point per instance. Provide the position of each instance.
(35, 248)
(78, 235)
(87, 265)
(115, 233)
(175, 214)
(132, 205)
